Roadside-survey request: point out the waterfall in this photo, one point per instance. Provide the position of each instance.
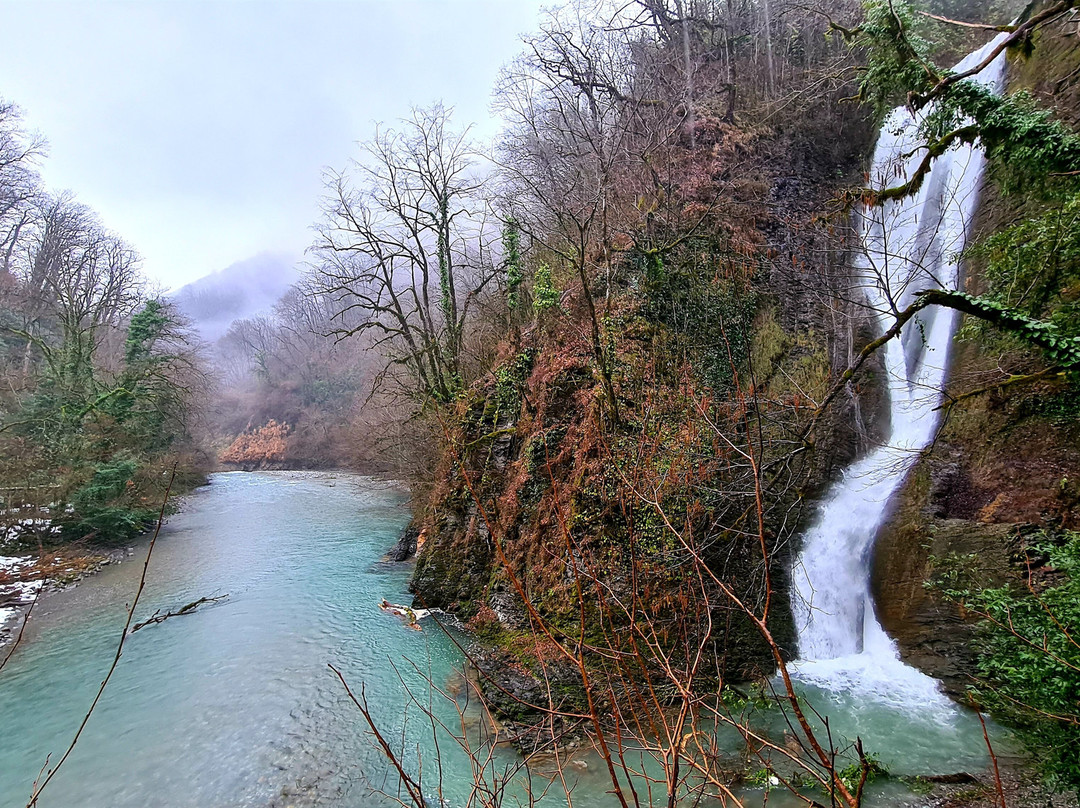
(908, 245)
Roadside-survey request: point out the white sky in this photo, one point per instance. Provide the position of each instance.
(199, 130)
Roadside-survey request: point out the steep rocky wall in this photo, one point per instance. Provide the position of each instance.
(539, 458)
(994, 478)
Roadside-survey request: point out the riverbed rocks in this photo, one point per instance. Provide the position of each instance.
(23, 577)
(508, 608)
(1020, 786)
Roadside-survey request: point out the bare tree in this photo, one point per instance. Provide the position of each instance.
(19, 181)
(405, 248)
(83, 281)
(579, 152)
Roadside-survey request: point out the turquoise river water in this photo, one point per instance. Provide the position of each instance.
(236, 706)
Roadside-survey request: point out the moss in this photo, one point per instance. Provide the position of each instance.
(794, 369)
(770, 343)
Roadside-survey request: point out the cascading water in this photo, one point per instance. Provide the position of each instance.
(909, 244)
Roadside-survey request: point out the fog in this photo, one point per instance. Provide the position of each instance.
(242, 290)
(199, 131)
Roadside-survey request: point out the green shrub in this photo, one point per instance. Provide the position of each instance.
(105, 508)
(1029, 669)
(545, 292)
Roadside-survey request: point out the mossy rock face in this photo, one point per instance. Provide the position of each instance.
(992, 479)
(742, 310)
(932, 634)
(452, 568)
(520, 697)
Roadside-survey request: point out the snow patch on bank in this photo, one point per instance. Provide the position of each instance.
(14, 594)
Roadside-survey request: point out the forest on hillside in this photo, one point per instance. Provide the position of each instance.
(101, 376)
(619, 354)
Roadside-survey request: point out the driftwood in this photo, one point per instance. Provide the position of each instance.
(189, 608)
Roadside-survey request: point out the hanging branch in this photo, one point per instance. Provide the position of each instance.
(1001, 29)
(1017, 34)
(1062, 350)
(875, 198)
(1011, 381)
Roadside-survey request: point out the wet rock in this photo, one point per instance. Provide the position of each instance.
(952, 493)
(405, 548)
(933, 634)
(951, 779)
(454, 565)
(508, 609)
(943, 482)
(520, 699)
(502, 447)
(117, 555)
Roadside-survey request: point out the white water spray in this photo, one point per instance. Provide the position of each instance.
(909, 245)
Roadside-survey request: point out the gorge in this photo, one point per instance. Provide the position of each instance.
(702, 429)
(235, 705)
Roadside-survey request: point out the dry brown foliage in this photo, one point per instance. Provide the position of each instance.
(264, 444)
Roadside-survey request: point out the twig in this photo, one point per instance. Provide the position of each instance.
(901, 320)
(22, 628)
(411, 786)
(1009, 382)
(1003, 29)
(993, 759)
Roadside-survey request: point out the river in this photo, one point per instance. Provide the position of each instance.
(235, 705)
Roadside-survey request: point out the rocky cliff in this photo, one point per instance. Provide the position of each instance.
(539, 492)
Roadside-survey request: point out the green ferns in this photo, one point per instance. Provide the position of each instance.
(545, 293)
(708, 307)
(1060, 349)
(512, 262)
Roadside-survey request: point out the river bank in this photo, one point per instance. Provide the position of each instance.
(25, 578)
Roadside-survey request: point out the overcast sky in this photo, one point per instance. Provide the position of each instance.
(199, 130)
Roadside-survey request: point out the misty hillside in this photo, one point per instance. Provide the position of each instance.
(243, 289)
